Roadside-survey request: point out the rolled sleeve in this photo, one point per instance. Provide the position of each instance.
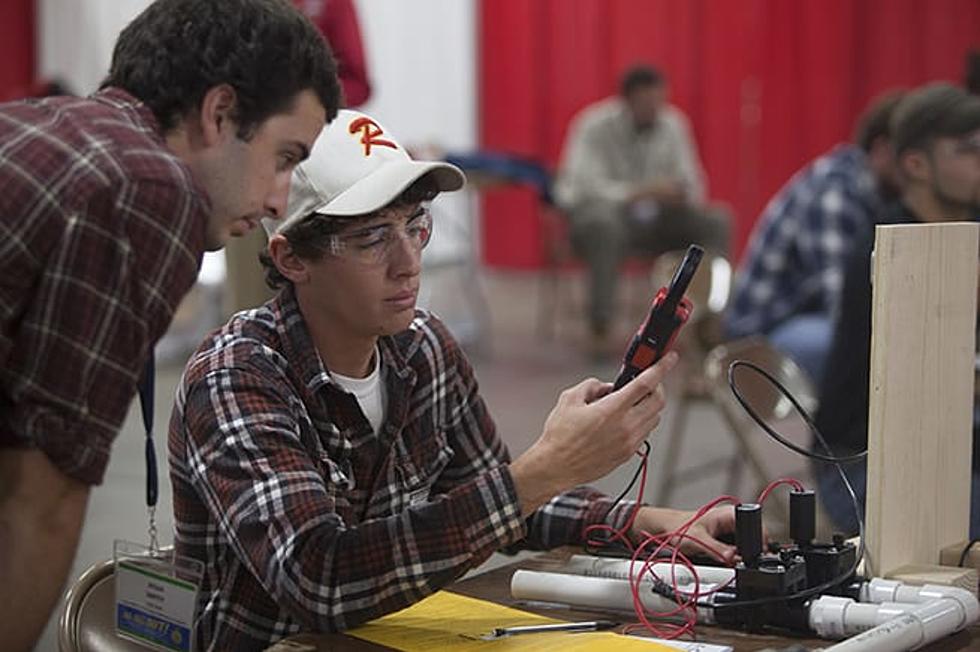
(101, 301)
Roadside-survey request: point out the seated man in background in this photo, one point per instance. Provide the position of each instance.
(331, 457)
(789, 282)
(936, 138)
(631, 180)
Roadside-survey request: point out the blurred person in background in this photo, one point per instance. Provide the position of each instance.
(337, 21)
(107, 204)
(935, 134)
(631, 181)
(789, 283)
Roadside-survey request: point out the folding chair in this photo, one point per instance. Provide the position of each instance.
(765, 400)
(708, 292)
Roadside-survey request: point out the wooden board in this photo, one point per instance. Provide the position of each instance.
(950, 555)
(920, 574)
(921, 391)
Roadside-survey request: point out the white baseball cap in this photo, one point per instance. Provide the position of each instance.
(354, 168)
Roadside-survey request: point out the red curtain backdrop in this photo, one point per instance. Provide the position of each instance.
(768, 84)
(16, 47)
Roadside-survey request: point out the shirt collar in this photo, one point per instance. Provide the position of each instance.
(628, 127)
(140, 112)
(297, 345)
(142, 117)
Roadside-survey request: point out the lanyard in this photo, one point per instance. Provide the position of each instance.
(146, 404)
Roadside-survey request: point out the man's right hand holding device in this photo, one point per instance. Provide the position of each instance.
(590, 432)
(594, 429)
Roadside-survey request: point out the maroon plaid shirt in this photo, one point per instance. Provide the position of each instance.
(303, 517)
(101, 234)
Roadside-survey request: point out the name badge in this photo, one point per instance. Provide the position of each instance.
(156, 597)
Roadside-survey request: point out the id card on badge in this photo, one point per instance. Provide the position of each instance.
(156, 596)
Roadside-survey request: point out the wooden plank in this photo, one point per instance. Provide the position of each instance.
(951, 555)
(921, 391)
(920, 574)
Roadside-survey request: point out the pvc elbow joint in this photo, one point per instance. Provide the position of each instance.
(896, 616)
(880, 590)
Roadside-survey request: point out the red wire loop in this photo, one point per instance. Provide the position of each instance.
(667, 547)
(793, 482)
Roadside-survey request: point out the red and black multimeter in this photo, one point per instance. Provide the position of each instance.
(669, 311)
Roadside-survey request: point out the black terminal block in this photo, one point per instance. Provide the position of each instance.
(761, 578)
(824, 561)
(768, 581)
(827, 561)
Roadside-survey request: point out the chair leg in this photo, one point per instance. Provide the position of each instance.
(674, 436)
(734, 475)
(547, 303)
(473, 287)
(747, 452)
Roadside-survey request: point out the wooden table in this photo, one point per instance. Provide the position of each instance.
(495, 586)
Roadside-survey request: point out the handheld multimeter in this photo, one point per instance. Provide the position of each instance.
(668, 312)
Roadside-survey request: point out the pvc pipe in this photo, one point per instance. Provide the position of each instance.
(919, 625)
(620, 569)
(835, 617)
(892, 616)
(591, 592)
(882, 590)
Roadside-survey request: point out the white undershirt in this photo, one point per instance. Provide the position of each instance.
(369, 392)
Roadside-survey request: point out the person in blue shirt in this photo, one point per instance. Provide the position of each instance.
(789, 283)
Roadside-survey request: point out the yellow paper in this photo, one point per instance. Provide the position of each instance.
(447, 620)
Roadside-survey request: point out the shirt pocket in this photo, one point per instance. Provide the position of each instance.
(338, 476)
(418, 465)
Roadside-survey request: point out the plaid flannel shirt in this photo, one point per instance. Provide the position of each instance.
(307, 520)
(101, 234)
(797, 252)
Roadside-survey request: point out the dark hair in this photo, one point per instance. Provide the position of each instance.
(640, 76)
(176, 50)
(972, 77)
(308, 238)
(875, 122)
(934, 111)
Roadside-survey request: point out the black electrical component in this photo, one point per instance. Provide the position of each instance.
(760, 577)
(802, 517)
(768, 583)
(824, 561)
(748, 531)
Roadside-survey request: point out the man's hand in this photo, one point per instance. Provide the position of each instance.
(591, 431)
(665, 191)
(718, 521)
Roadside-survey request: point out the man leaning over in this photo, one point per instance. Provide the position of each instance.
(107, 204)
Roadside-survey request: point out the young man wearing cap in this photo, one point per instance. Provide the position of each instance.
(331, 457)
(107, 204)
